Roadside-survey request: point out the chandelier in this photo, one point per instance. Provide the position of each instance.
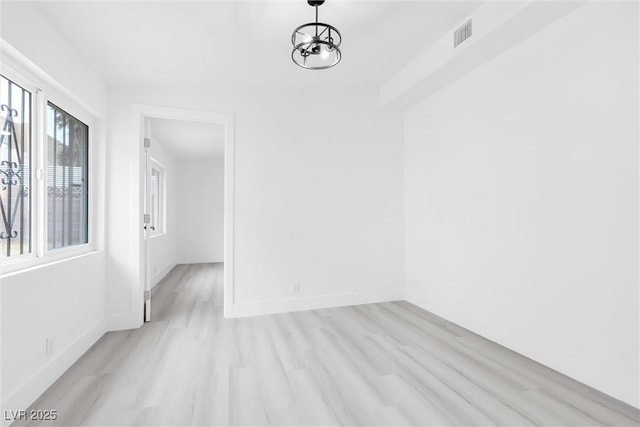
(316, 45)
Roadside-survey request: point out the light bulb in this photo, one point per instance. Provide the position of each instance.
(325, 53)
(307, 39)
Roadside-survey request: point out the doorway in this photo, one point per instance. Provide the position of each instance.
(160, 163)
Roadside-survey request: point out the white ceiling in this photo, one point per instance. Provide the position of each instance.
(246, 43)
(189, 140)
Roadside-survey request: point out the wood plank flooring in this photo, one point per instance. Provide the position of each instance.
(376, 364)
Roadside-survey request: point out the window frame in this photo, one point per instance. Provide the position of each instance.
(162, 203)
(29, 86)
(82, 246)
(42, 94)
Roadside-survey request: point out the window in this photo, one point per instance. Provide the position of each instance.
(15, 169)
(44, 175)
(67, 189)
(157, 198)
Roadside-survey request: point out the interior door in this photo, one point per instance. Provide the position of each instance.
(148, 227)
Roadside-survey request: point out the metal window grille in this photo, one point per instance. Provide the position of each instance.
(15, 169)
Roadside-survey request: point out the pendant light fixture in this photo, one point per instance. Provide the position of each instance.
(316, 45)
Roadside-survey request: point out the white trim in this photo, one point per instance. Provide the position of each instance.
(121, 322)
(26, 393)
(139, 113)
(198, 260)
(257, 308)
(161, 229)
(52, 260)
(92, 165)
(229, 203)
(157, 278)
(41, 238)
(27, 262)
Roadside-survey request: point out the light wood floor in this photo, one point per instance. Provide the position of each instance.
(377, 364)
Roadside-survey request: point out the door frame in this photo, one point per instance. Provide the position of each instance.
(140, 113)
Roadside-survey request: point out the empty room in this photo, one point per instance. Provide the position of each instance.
(319, 213)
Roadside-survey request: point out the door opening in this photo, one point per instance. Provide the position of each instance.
(157, 193)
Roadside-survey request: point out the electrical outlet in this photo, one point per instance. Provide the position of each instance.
(295, 288)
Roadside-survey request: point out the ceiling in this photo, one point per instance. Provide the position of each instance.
(246, 43)
(189, 140)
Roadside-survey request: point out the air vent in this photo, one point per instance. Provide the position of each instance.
(462, 33)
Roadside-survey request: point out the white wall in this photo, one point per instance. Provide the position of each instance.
(163, 247)
(27, 30)
(201, 210)
(318, 202)
(521, 186)
(62, 301)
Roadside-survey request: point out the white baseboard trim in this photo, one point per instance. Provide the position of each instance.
(514, 340)
(25, 394)
(197, 260)
(120, 322)
(162, 274)
(257, 308)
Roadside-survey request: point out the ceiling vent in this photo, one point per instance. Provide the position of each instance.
(462, 33)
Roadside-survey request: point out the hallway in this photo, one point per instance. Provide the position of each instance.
(377, 364)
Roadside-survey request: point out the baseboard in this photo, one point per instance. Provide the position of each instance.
(516, 342)
(162, 274)
(198, 260)
(120, 322)
(257, 308)
(25, 394)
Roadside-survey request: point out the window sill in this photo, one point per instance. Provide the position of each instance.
(31, 264)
